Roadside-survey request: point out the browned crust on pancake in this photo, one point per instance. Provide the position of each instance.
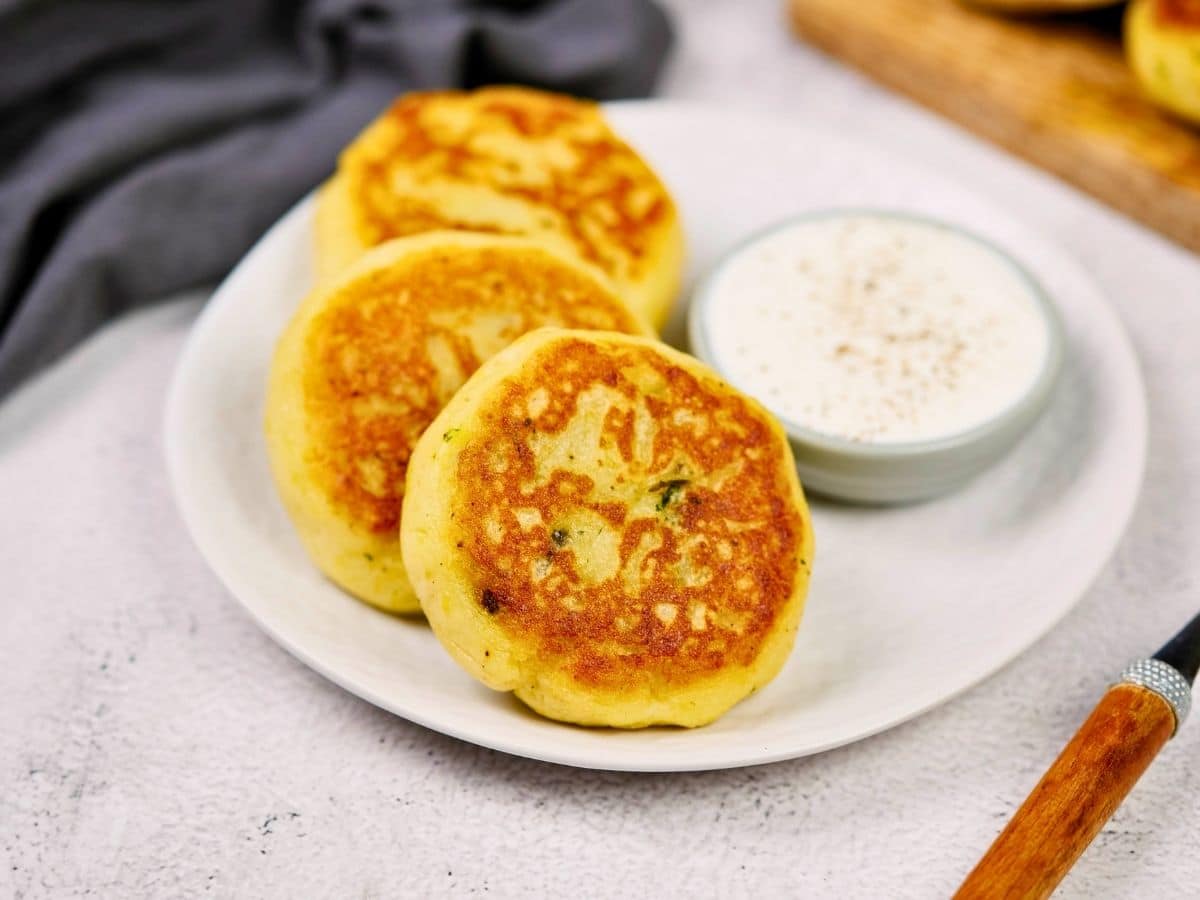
(746, 535)
(371, 386)
(1178, 13)
(601, 197)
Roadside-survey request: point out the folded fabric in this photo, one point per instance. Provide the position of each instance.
(145, 145)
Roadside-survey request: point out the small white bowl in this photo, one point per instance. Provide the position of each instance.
(899, 471)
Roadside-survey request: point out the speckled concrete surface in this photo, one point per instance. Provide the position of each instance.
(154, 743)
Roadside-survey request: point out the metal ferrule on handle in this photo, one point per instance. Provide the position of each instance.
(1166, 681)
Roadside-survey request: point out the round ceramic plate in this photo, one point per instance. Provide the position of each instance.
(908, 606)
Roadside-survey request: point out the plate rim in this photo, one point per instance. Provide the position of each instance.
(186, 500)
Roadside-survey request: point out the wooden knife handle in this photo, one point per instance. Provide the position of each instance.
(1075, 797)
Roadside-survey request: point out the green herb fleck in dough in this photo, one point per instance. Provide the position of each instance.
(670, 490)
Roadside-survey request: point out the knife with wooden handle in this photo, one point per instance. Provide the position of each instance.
(1092, 775)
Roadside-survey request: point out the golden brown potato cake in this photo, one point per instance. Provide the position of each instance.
(370, 359)
(1162, 42)
(600, 525)
(508, 161)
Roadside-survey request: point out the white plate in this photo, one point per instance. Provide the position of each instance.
(907, 607)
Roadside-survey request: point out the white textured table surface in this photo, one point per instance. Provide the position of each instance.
(154, 743)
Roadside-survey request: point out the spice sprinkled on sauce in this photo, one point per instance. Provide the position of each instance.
(876, 329)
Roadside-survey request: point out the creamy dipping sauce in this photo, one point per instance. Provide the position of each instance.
(876, 329)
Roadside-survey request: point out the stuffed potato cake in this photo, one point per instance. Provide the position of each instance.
(1162, 41)
(509, 161)
(598, 524)
(370, 359)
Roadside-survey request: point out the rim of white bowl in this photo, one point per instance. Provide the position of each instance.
(1034, 396)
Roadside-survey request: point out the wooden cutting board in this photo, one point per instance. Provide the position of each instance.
(1056, 91)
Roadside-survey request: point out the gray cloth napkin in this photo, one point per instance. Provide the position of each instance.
(145, 144)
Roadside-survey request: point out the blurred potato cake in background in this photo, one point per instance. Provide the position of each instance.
(509, 161)
(600, 525)
(1162, 42)
(372, 356)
